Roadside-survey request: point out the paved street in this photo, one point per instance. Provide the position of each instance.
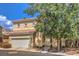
(24, 53)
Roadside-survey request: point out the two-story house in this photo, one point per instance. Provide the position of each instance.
(22, 33)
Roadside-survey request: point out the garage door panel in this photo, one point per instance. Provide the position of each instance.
(20, 43)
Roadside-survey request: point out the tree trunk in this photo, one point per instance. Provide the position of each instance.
(66, 43)
(33, 40)
(77, 43)
(33, 43)
(50, 42)
(59, 44)
(74, 44)
(43, 41)
(70, 44)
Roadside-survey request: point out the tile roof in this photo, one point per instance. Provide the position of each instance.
(23, 20)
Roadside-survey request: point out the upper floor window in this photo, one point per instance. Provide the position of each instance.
(22, 25)
(25, 25)
(15, 26)
(29, 24)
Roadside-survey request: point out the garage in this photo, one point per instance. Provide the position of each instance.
(20, 42)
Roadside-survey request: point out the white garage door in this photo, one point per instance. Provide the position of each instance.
(20, 42)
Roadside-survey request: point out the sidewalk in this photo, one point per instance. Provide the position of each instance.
(36, 50)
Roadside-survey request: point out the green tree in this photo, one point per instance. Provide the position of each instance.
(56, 20)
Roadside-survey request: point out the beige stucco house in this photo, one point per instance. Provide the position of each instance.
(22, 34)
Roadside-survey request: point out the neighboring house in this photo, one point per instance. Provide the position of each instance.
(1, 35)
(22, 34)
(4, 38)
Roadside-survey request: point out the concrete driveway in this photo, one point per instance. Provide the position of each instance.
(15, 52)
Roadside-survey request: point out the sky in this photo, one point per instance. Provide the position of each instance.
(12, 11)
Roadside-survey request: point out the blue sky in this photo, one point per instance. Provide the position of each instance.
(12, 11)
